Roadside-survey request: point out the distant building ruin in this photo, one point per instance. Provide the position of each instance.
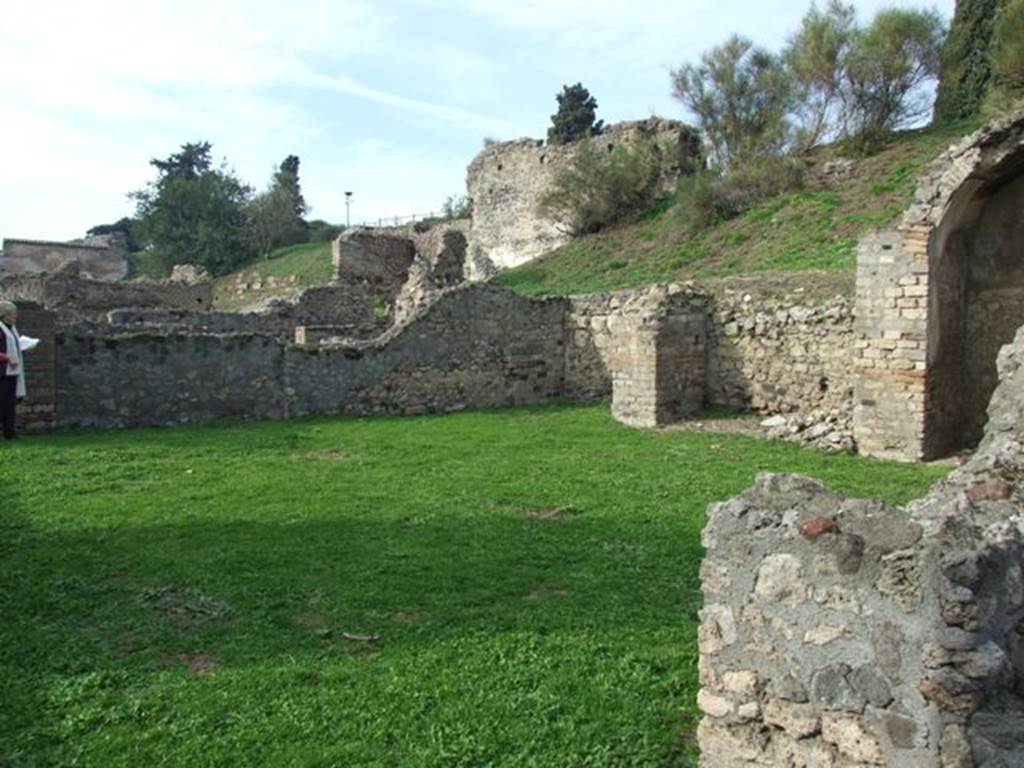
(507, 180)
(99, 258)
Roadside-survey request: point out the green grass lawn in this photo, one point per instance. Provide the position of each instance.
(182, 597)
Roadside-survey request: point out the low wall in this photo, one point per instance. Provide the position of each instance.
(841, 632)
(476, 346)
(77, 298)
(780, 357)
(355, 312)
(144, 379)
(660, 353)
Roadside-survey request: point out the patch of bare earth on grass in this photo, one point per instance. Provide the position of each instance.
(544, 593)
(331, 454)
(548, 513)
(198, 664)
(749, 425)
(186, 609)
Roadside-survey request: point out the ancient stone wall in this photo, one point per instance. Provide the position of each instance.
(787, 355)
(373, 259)
(100, 262)
(844, 633)
(38, 411)
(146, 378)
(507, 180)
(658, 356)
(476, 346)
(77, 298)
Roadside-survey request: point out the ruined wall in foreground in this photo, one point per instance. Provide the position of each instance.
(845, 633)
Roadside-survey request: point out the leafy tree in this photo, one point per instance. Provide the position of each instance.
(889, 63)
(576, 117)
(272, 221)
(966, 62)
(194, 213)
(457, 207)
(1008, 58)
(816, 59)
(741, 96)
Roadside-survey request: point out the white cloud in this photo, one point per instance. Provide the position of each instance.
(92, 90)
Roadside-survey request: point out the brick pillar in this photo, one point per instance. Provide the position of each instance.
(658, 358)
(891, 345)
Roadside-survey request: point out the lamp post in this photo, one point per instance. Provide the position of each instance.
(348, 202)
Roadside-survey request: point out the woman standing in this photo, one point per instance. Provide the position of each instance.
(12, 372)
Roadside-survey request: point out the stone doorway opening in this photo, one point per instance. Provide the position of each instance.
(976, 261)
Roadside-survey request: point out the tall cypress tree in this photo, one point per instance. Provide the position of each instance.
(966, 64)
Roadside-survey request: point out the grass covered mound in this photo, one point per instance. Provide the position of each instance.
(504, 588)
(815, 228)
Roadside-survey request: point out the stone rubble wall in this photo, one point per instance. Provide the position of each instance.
(440, 264)
(75, 298)
(29, 257)
(38, 411)
(788, 356)
(477, 345)
(507, 180)
(844, 633)
(659, 353)
(376, 259)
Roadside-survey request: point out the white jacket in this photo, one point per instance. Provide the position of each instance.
(14, 355)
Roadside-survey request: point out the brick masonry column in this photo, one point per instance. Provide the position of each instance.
(890, 344)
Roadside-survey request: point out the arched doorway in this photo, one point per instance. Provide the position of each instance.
(936, 299)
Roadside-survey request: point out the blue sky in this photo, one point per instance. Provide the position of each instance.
(390, 99)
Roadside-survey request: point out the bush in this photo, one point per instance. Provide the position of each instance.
(604, 188)
(320, 231)
(708, 198)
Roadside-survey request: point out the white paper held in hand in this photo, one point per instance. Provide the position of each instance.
(25, 343)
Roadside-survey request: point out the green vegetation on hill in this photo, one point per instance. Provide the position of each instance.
(309, 263)
(504, 588)
(809, 229)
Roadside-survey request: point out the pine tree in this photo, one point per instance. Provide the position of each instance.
(576, 116)
(966, 60)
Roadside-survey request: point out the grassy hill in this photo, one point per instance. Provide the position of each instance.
(807, 237)
(814, 229)
(309, 263)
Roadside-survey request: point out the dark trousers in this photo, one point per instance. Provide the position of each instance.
(8, 398)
